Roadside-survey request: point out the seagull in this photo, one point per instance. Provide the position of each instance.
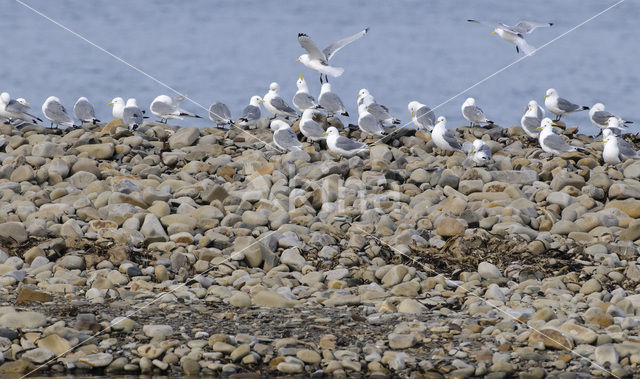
(443, 138)
(220, 114)
(302, 100)
(342, 145)
(84, 111)
(626, 150)
(118, 107)
(309, 127)
(319, 60)
(421, 115)
(166, 108)
(560, 106)
(251, 113)
(380, 112)
(474, 113)
(478, 152)
(531, 119)
(330, 102)
(132, 115)
(515, 34)
(599, 117)
(368, 123)
(550, 141)
(274, 103)
(17, 109)
(284, 137)
(55, 112)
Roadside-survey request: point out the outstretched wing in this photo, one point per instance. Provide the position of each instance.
(314, 52)
(492, 24)
(526, 27)
(336, 46)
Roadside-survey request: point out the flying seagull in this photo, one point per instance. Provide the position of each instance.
(515, 34)
(319, 60)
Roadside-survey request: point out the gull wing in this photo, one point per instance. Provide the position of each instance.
(336, 46)
(314, 52)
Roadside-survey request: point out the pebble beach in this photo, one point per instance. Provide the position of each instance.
(174, 250)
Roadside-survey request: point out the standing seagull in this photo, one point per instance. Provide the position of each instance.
(251, 113)
(380, 112)
(515, 34)
(474, 113)
(532, 118)
(84, 111)
(550, 141)
(275, 104)
(17, 109)
(342, 145)
(443, 138)
(284, 137)
(166, 108)
(118, 107)
(319, 60)
(54, 111)
(368, 123)
(330, 102)
(132, 115)
(478, 152)
(422, 116)
(625, 148)
(302, 99)
(599, 117)
(310, 128)
(560, 106)
(220, 114)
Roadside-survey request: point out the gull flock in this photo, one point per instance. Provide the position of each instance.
(374, 120)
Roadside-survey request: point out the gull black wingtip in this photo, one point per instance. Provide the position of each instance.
(366, 30)
(551, 24)
(302, 35)
(584, 108)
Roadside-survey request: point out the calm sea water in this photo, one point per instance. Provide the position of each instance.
(229, 51)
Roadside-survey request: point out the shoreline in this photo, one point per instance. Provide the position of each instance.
(235, 258)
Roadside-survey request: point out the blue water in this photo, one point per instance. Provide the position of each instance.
(229, 51)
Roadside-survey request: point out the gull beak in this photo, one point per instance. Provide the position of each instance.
(298, 60)
(368, 109)
(493, 32)
(554, 123)
(545, 96)
(437, 121)
(325, 133)
(111, 103)
(302, 77)
(262, 101)
(411, 115)
(539, 127)
(607, 122)
(26, 103)
(358, 95)
(604, 141)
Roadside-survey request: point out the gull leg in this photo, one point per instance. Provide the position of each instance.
(320, 78)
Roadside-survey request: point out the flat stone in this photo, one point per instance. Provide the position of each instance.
(551, 338)
(13, 231)
(448, 227)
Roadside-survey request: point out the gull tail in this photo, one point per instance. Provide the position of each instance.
(188, 114)
(333, 71)
(527, 48)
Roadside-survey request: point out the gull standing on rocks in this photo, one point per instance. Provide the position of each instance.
(166, 108)
(319, 60)
(330, 102)
(599, 117)
(478, 152)
(380, 112)
(118, 107)
(560, 106)
(368, 123)
(422, 116)
(474, 113)
(251, 113)
(532, 118)
(132, 115)
(515, 34)
(84, 111)
(275, 104)
(284, 137)
(443, 138)
(550, 141)
(17, 109)
(309, 127)
(302, 99)
(220, 114)
(342, 145)
(55, 112)
(626, 150)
